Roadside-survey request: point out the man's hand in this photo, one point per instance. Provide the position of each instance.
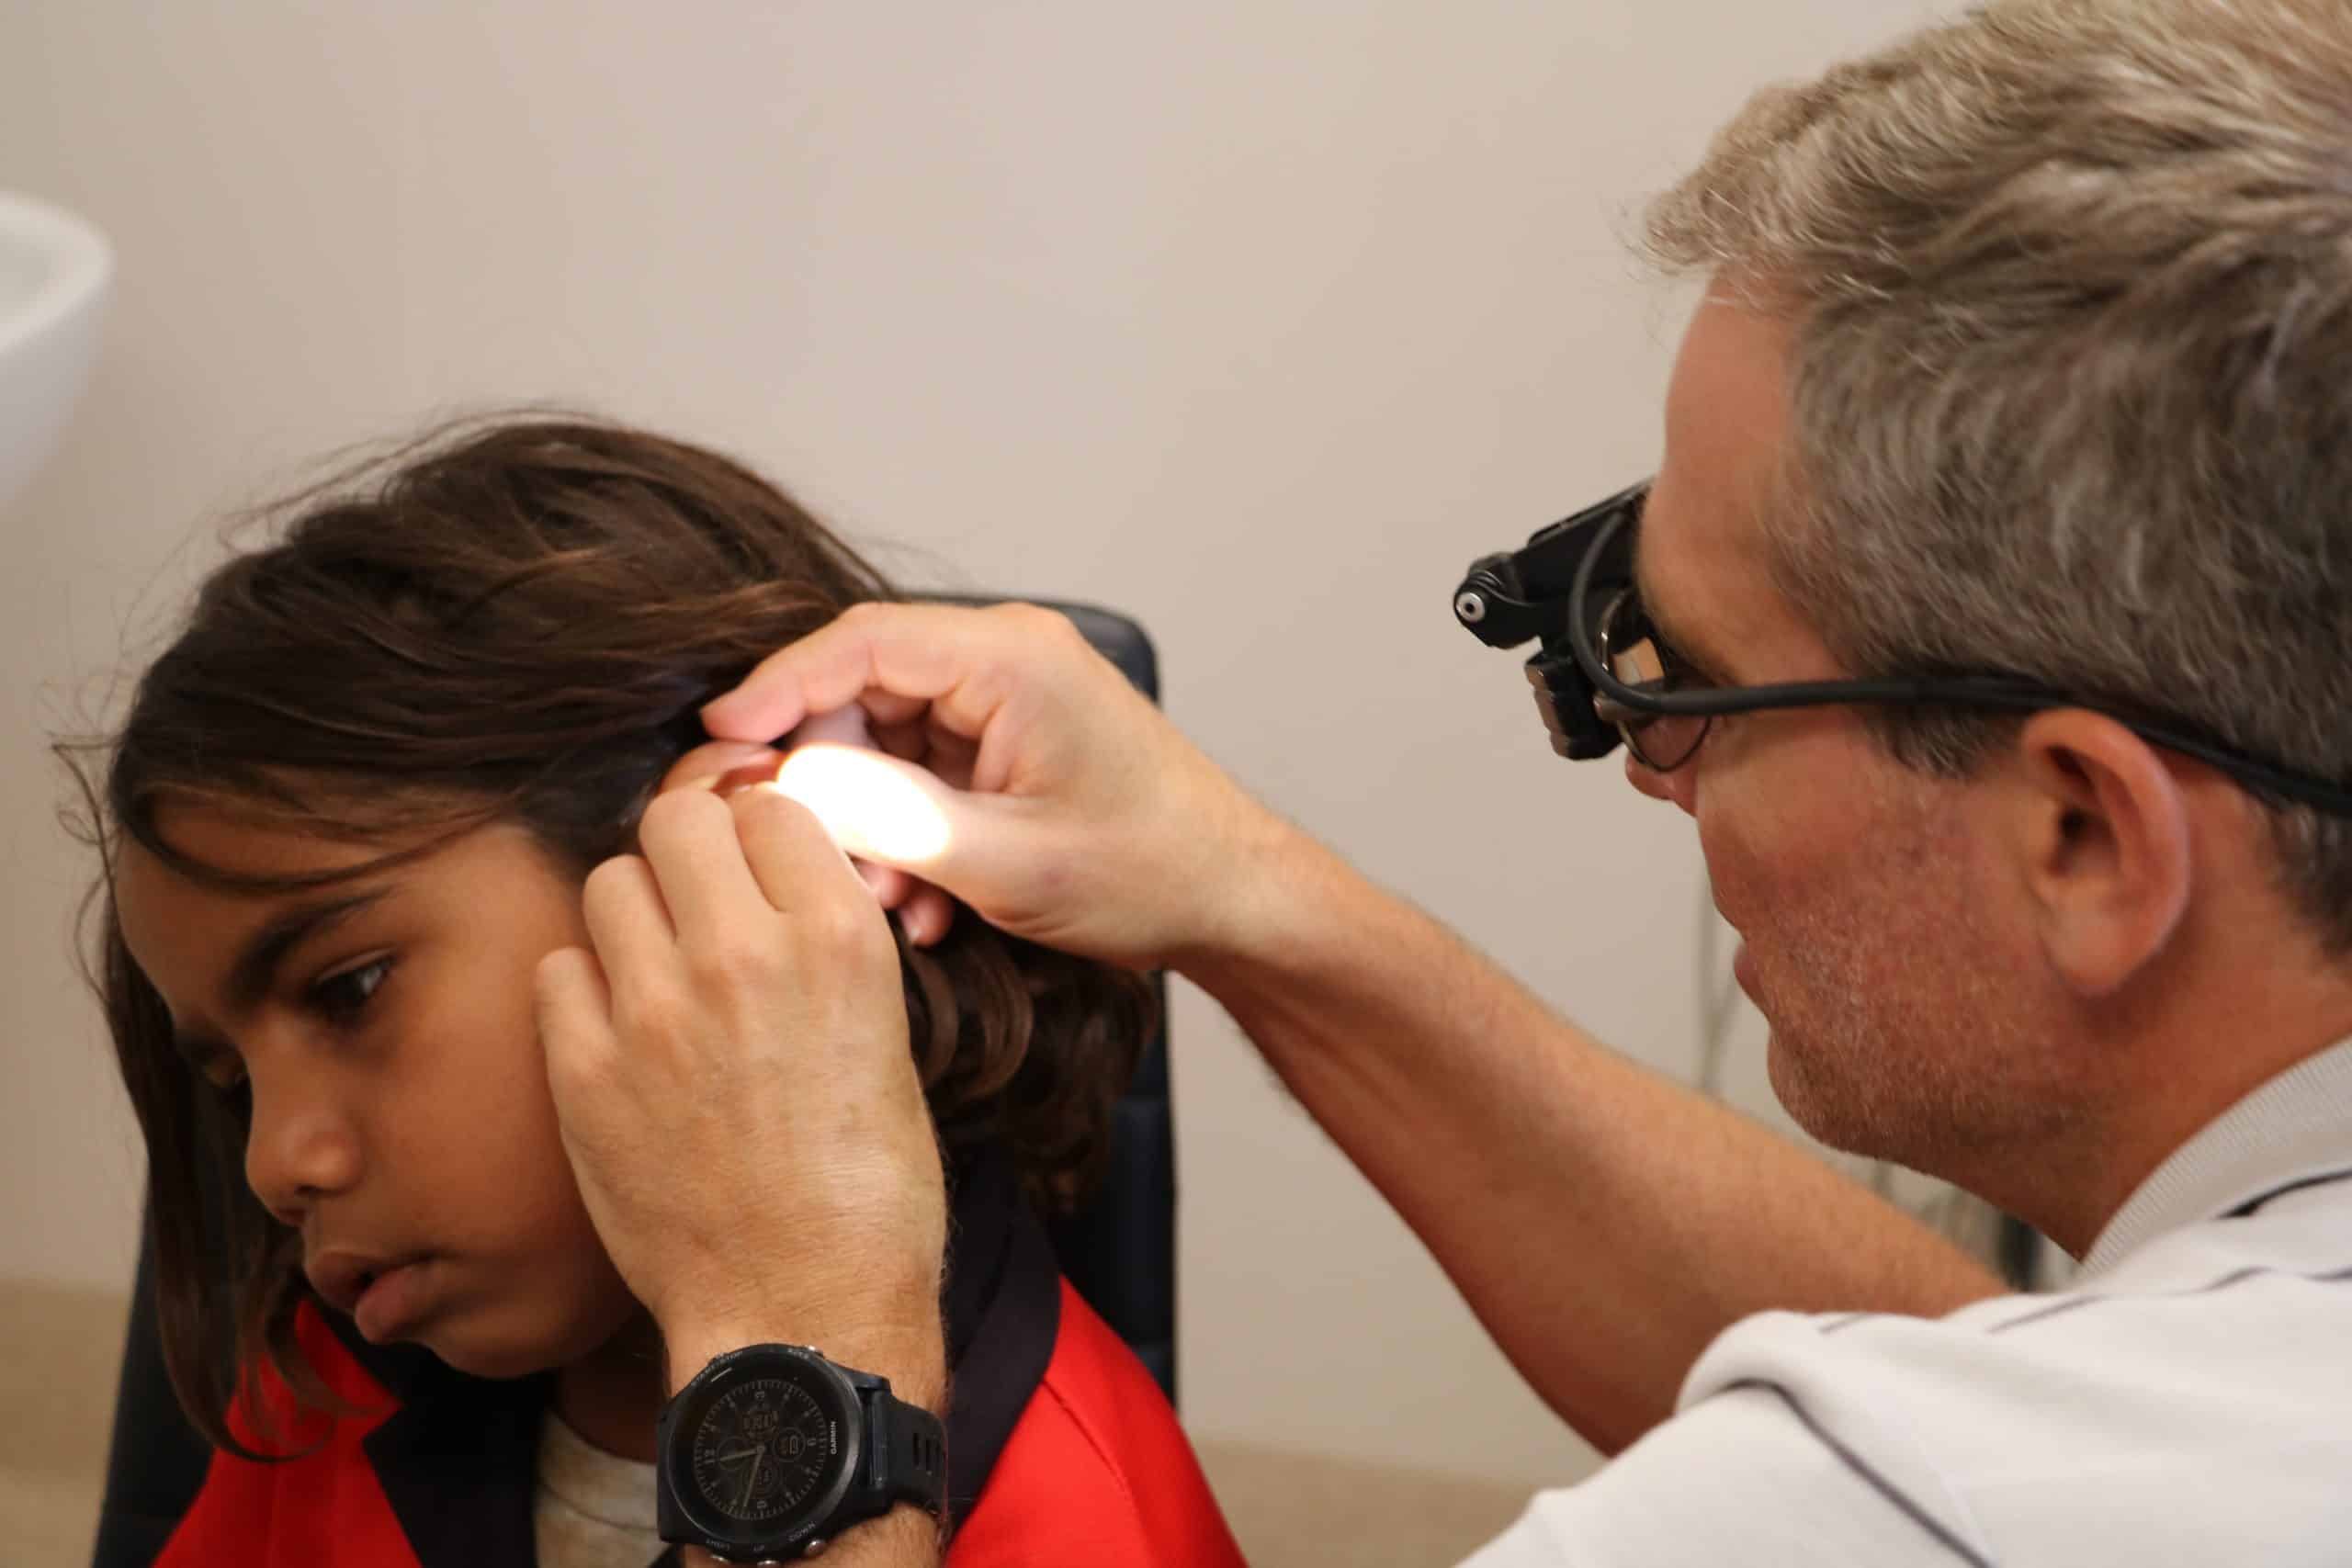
(923, 911)
(1556, 1183)
(732, 1073)
(1063, 806)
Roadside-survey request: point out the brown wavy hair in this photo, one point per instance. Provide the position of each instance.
(511, 620)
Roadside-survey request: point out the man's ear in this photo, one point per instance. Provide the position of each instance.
(2103, 835)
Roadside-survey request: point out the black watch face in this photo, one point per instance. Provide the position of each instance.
(762, 1450)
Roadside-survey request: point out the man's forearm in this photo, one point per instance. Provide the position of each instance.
(1604, 1222)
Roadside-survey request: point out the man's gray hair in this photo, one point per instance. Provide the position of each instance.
(2071, 286)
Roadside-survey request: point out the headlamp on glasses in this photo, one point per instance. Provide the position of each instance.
(1602, 673)
(1600, 666)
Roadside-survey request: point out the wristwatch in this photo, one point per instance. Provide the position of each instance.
(773, 1450)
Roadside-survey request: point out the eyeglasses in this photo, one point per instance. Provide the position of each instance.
(1632, 651)
(1642, 688)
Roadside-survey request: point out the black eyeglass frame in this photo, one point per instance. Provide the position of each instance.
(1600, 542)
(1634, 728)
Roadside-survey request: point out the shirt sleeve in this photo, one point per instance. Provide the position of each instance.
(1746, 1475)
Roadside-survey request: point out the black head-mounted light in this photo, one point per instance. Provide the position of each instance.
(1571, 586)
(1556, 589)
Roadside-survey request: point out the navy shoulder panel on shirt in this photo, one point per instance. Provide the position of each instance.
(156, 1462)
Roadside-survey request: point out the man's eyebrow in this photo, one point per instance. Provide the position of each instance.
(1693, 652)
(256, 966)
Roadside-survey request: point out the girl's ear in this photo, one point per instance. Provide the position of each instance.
(925, 913)
(729, 765)
(722, 765)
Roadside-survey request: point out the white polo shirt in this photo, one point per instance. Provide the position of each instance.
(2187, 1400)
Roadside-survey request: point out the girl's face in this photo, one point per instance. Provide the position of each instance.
(400, 1121)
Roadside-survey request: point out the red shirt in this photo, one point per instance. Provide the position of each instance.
(1096, 1472)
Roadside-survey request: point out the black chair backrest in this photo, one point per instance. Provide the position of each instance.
(1119, 1248)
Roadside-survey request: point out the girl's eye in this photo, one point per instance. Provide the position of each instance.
(341, 997)
(225, 1073)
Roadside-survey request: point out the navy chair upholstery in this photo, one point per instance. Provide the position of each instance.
(1119, 1248)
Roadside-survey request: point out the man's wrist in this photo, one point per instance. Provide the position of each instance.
(1267, 922)
(906, 1537)
(911, 1354)
(1264, 864)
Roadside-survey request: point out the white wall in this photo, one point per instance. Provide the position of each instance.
(1256, 318)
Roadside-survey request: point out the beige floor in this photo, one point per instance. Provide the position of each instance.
(58, 1351)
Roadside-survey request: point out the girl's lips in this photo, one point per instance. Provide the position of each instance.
(393, 1302)
(342, 1278)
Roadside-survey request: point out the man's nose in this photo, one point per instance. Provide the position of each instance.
(302, 1143)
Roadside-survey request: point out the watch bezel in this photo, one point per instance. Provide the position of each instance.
(832, 1390)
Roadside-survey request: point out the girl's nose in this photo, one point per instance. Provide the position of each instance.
(301, 1147)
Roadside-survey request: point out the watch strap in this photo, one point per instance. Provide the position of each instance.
(907, 1454)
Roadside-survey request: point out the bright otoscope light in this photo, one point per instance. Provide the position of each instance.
(872, 809)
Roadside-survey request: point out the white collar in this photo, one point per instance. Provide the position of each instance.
(2296, 1125)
